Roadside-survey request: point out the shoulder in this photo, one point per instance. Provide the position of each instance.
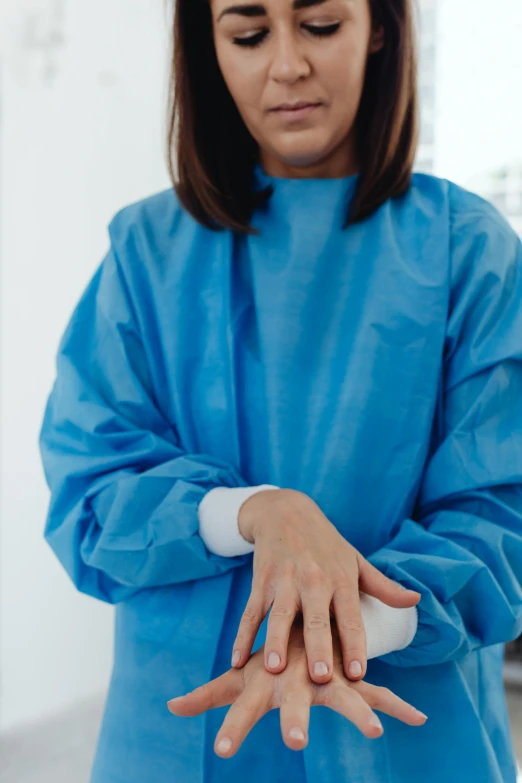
(473, 213)
(154, 238)
(466, 212)
(160, 254)
(479, 236)
(151, 216)
(485, 248)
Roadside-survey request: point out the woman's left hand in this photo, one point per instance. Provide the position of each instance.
(253, 691)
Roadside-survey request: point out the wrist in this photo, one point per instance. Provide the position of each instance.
(244, 522)
(251, 512)
(218, 519)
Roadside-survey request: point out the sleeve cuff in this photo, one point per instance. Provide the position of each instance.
(387, 629)
(218, 514)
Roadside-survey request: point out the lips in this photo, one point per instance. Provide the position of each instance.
(297, 114)
(294, 106)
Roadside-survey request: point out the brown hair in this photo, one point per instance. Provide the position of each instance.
(215, 152)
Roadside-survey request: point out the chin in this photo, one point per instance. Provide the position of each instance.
(300, 154)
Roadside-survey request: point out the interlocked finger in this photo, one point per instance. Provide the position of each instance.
(350, 626)
(280, 620)
(317, 630)
(253, 615)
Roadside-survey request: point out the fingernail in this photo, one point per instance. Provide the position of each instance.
(420, 713)
(320, 668)
(355, 669)
(374, 721)
(236, 657)
(274, 660)
(224, 744)
(173, 701)
(296, 734)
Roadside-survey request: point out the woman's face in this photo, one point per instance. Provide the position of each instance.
(274, 52)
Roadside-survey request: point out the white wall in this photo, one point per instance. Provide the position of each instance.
(479, 87)
(81, 134)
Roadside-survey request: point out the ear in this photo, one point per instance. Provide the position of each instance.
(376, 39)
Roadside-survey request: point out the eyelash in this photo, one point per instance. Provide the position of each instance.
(255, 40)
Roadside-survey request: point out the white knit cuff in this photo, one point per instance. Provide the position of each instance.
(218, 514)
(387, 629)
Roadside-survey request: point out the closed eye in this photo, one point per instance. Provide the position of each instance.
(257, 38)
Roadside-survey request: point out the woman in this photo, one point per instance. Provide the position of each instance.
(304, 351)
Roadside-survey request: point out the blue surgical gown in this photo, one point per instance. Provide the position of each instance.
(376, 368)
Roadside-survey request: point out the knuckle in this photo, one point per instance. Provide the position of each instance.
(289, 569)
(266, 573)
(342, 583)
(251, 614)
(351, 625)
(314, 575)
(282, 610)
(317, 622)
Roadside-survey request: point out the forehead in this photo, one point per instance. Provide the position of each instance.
(256, 8)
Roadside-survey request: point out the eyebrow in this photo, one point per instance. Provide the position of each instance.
(260, 10)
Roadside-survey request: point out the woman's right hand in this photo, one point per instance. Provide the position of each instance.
(303, 563)
(253, 691)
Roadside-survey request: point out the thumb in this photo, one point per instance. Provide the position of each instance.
(374, 582)
(217, 693)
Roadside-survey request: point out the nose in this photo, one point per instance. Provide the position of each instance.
(288, 63)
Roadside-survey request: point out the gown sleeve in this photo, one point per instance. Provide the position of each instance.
(123, 511)
(462, 548)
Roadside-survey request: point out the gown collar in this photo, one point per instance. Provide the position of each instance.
(262, 180)
(298, 200)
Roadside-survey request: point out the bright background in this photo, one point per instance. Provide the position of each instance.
(82, 120)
